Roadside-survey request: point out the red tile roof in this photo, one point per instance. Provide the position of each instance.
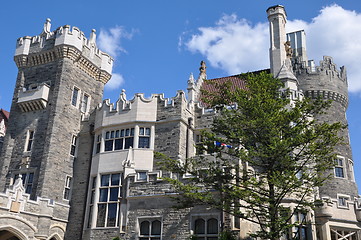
(210, 85)
(5, 113)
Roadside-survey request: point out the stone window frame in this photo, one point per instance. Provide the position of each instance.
(27, 180)
(29, 141)
(300, 217)
(342, 201)
(85, 105)
(119, 139)
(339, 169)
(342, 233)
(73, 145)
(351, 171)
(150, 220)
(67, 187)
(106, 200)
(144, 134)
(142, 176)
(75, 98)
(206, 218)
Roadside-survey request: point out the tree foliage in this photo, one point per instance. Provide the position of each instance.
(279, 152)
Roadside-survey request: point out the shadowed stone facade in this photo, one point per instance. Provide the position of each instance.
(76, 167)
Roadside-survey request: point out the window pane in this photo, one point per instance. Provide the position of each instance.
(74, 97)
(107, 135)
(112, 134)
(303, 233)
(30, 178)
(339, 172)
(101, 215)
(66, 194)
(143, 142)
(147, 131)
(117, 133)
(112, 215)
(30, 143)
(114, 194)
(103, 195)
(127, 132)
(98, 148)
(94, 182)
(90, 216)
(141, 131)
(122, 133)
(212, 226)
(142, 175)
(108, 145)
(92, 197)
(28, 188)
(118, 144)
(128, 142)
(156, 227)
(104, 180)
(144, 228)
(199, 226)
(132, 132)
(115, 179)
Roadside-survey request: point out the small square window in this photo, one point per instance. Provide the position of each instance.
(342, 201)
(142, 176)
(340, 167)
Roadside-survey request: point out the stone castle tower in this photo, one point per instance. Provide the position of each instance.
(76, 167)
(60, 80)
(289, 58)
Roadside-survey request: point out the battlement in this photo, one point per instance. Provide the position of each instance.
(63, 42)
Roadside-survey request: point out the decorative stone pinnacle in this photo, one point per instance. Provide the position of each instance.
(92, 36)
(191, 78)
(47, 25)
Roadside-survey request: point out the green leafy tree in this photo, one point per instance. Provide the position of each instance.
(279, 152)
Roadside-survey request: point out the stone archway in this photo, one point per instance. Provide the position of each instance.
(6, 235)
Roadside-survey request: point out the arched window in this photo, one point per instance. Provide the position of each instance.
(150, 230)
(206, 228)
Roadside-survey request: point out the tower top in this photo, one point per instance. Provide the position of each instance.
(276, 9)
(64, 37)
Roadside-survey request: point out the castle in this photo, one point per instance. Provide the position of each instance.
(75, 167)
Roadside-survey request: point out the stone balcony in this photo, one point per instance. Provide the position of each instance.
(34, 99)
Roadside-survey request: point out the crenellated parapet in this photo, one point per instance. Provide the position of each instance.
(324, 81)
(64, 42)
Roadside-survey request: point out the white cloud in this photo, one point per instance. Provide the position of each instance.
(235, 45)
(110, 40)
(115, 82)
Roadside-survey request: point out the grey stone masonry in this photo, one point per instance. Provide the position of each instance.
(328, 82)
(60, 80)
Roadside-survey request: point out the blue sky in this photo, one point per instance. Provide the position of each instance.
(157, 44)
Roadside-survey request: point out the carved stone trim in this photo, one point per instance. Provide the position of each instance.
(60, 52)
(337, 97)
